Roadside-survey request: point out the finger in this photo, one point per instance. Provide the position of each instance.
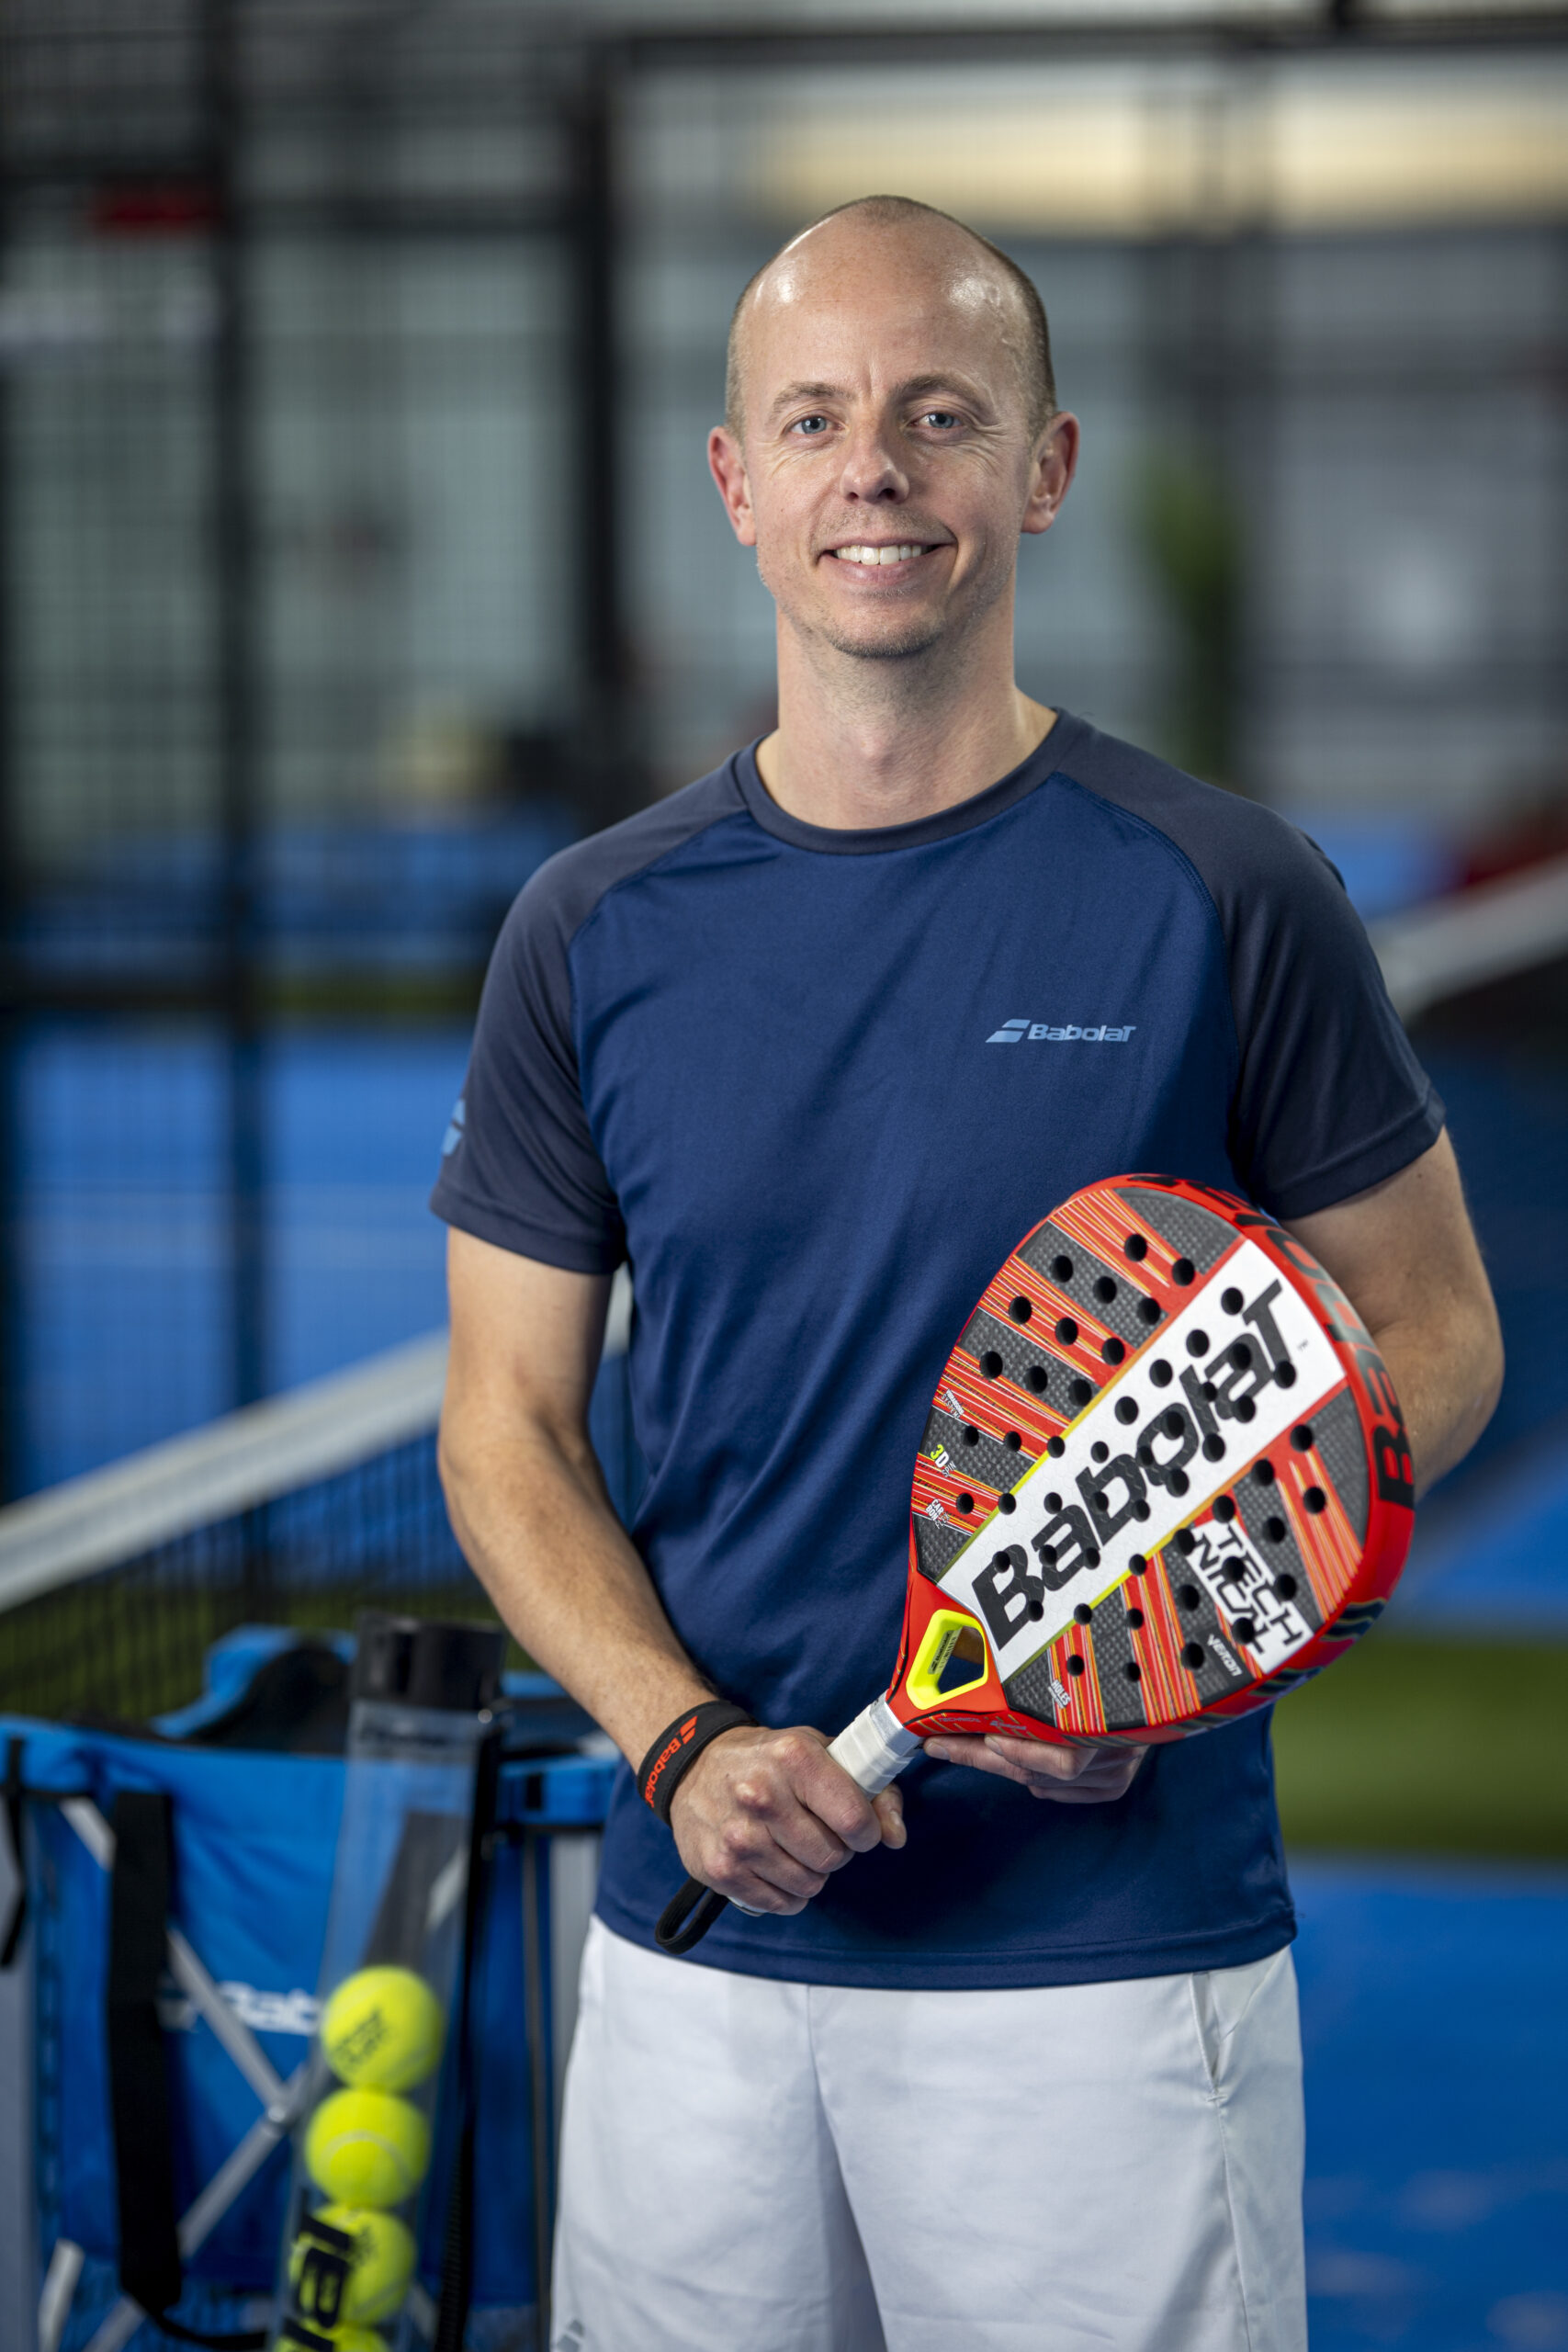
(889, 1810)
(840, 1802)
(979, 1756)
(765, 1794)
(754, 1894)
(776, 1816)
(1096, 1772)
(746, 1877)
(747, 1855)
(1035, 1756)
(1021, 1760)
(827, 1790)
(1086, 1775)
(1078, 1791)
(783, 1876)
(1110, 1767)
(1108, 1778)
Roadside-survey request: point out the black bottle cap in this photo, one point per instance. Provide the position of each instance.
(428, 1662)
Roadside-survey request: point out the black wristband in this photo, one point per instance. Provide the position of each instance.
(678, 1747)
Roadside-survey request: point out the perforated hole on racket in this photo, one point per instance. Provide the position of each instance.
(1164, 1479)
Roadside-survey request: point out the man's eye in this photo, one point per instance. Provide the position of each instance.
(941, 417)
(811, 425)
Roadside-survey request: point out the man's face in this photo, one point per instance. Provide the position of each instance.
(887, 465)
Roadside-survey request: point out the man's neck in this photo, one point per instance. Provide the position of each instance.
(862, 744)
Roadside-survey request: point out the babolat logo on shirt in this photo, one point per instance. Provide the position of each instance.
(1013, 1033)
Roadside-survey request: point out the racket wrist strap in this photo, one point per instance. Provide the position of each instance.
(678, 1747)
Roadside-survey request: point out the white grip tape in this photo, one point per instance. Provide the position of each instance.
(876, 1747)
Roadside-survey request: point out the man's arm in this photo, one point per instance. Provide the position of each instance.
(1405, 1257)
(762, 1815)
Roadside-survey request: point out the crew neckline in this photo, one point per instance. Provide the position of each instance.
(837, 840)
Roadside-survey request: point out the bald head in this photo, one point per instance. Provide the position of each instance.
(979, 275)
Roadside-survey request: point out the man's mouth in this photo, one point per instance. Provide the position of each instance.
(896, 551)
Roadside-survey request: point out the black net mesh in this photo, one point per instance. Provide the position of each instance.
(129, 1641)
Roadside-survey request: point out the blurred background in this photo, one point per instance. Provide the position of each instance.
(356, 364)
(357, 551)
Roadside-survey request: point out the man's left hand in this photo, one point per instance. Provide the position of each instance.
(1088, 1775)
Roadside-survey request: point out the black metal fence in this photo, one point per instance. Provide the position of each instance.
(355, 549)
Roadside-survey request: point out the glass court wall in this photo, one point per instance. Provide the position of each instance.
(356, 365)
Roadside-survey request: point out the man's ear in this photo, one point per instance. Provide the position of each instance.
(728, 466)
(1055, 463)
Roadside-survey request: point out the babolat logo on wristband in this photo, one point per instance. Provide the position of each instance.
(678, 1747)
(671, 1748)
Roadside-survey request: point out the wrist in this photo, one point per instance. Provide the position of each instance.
(644, 1699)
(676, 1748)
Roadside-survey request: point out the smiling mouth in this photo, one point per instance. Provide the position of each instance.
(896, 551)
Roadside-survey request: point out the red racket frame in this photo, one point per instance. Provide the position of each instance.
(1350, 1579)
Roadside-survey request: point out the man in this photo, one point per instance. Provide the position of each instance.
(984, 2072)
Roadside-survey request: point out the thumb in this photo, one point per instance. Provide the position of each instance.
(889, 1810)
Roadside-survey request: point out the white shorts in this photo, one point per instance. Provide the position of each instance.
(754, 2166)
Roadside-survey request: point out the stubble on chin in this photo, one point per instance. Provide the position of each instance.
(868, 637)
(884, 637)
(916, 635)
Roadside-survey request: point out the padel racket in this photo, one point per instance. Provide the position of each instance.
(1165, 1478)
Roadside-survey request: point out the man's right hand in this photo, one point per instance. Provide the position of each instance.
(765, 1816)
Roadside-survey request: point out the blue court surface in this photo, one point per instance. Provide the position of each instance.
(1435, 2019)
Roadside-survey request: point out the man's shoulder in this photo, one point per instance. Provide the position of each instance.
(559, 899)
(1236, 846)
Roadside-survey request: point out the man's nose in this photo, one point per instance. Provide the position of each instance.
(871, 471)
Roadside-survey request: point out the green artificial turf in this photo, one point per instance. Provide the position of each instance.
(1406, 1746)
(1425, 1745)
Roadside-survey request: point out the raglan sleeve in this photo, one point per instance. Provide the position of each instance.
(519, 1165)
(1330, 1097)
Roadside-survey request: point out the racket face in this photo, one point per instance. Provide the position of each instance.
(1164, 1478)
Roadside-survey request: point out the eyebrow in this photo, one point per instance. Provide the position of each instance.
(942, 381)
(913, 388)
(802, 392)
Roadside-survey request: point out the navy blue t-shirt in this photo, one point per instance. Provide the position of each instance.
(814, 1085)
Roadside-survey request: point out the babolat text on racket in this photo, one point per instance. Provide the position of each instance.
(1164, 1479)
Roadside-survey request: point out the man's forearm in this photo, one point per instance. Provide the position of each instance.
(1405, 1257)
(761, 1816)
(1446, 1373)
(532, 1516)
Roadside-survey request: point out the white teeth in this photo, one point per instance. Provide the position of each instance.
(877, 555)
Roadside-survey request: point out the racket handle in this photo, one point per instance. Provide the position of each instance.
(873, 1750)
(876, 1747)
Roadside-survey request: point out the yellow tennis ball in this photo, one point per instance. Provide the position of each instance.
(382, 2030)
(381, 2263)
(358, 2339)
(368, 2148)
